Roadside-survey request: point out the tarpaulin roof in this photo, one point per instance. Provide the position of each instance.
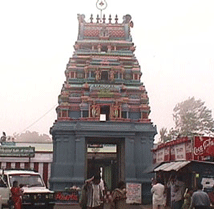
(172, 166)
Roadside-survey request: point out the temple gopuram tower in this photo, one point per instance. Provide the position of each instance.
(103, 106)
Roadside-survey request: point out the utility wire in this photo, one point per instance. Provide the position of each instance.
(39, 118)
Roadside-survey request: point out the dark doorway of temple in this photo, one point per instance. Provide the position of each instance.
(105, 110)
(104, 75)
(107, 169)
(107, 159)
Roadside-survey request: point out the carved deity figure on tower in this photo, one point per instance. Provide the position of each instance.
(94, 110)
(115, 111)
(98, 75)
(104, 32)
(111, 75)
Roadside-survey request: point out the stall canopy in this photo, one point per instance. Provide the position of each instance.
(152, 167)
(172, 166)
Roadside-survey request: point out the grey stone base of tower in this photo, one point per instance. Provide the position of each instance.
(134, 142)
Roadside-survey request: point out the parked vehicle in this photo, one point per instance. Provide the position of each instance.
(35, 193)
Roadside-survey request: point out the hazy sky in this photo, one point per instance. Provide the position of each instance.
(174, 45)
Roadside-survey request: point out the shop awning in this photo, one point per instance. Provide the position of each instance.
(151, 168)
(172, 166)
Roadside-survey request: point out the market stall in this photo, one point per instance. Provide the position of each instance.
(190, 172)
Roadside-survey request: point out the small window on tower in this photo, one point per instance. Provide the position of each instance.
(104, 75)
(72, 74)
(124, 114)
(104, 49)
(145, 115)
(105, 109)
(128, 76)
(93, 74)
(64, 113)
(117, 75)
(80, 75)
(85, 113)
(135, 76)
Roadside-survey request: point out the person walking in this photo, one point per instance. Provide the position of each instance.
(187, 198)
(16, 195)
(119, 196)
(158, 199)
(92, 194)
(200, 199)
(177, 188)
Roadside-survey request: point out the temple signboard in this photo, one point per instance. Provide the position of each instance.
(134, 193)
(109, 87)
(17, 151)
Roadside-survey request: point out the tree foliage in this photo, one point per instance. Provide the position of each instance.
(32, 137)
(163, 134)
(191, 117)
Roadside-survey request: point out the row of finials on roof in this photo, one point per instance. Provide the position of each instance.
(103, 19)
(126, 19)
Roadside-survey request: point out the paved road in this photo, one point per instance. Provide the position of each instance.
(61, 206)
(77, 207)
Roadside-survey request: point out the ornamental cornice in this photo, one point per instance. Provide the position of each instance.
(74, 105)
(144, 107)
(125, 100)
(136, 69)
(112, 53)
(64, 104)
(85, 98)
(112, 42)
(85, 127)
(100, 67)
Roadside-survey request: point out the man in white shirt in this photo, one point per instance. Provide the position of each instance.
(158, 199)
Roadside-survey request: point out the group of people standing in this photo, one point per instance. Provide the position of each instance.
(180, 196)
(95, 196)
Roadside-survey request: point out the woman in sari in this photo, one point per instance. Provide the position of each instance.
(16, 195)
(119, 196)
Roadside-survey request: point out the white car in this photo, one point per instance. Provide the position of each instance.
(35, 193)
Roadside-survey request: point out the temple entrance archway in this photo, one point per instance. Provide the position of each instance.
(107, 157)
